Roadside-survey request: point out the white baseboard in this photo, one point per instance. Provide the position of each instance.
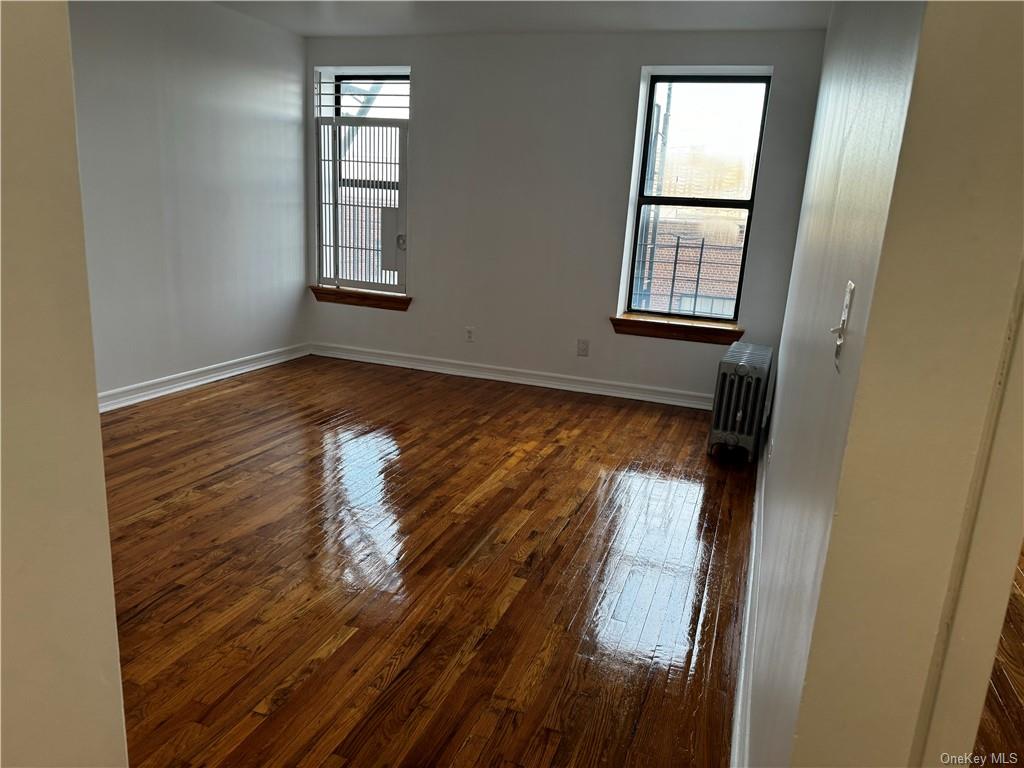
(136, 393)
(517, 376)
(146, 390)
(739, 756)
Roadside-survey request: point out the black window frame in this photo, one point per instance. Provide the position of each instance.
(643, 199)
(342, 78)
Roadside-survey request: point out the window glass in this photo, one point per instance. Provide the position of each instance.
(703, 139)
(701, 149)
(688, 260)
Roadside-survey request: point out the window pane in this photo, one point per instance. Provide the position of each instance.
(703, 139)
(375, 98)
(360, 97)
(688, 260)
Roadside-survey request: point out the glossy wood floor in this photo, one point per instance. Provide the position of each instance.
(342, 564)
(1002, 720)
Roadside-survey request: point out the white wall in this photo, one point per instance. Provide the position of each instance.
(190, 144)
(866, 82)
(995, 547)
(61, 682)
(872, 490)
(926, 404)
(519, 172)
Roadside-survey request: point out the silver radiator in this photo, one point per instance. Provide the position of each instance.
(740, 396)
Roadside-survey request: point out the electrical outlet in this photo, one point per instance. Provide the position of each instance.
(470, 334)
(583, 347)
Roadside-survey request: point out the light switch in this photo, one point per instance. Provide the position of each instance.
(844, 318)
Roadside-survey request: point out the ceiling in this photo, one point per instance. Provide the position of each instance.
(312, 19)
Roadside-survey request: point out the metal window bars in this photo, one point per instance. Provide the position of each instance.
(361, 211)
(347, 95)
(699, 278)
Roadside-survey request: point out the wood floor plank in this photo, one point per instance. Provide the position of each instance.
(329, 563)
(1001, 729)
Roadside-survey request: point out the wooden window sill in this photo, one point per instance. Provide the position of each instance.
(683, 329)
(374, 299)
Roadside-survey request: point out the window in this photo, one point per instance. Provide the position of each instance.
(698, 170)
(361, 126)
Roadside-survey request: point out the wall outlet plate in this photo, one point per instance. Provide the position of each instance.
(470, 334)
(583, 347)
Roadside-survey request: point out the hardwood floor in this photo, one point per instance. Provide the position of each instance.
(1002, 719)
(342, 564)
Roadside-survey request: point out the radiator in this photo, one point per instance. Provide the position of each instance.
(740, 396)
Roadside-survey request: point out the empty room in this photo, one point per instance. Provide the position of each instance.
(512, 384)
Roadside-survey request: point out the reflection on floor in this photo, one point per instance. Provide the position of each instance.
(1002, 720)
(335, 563)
